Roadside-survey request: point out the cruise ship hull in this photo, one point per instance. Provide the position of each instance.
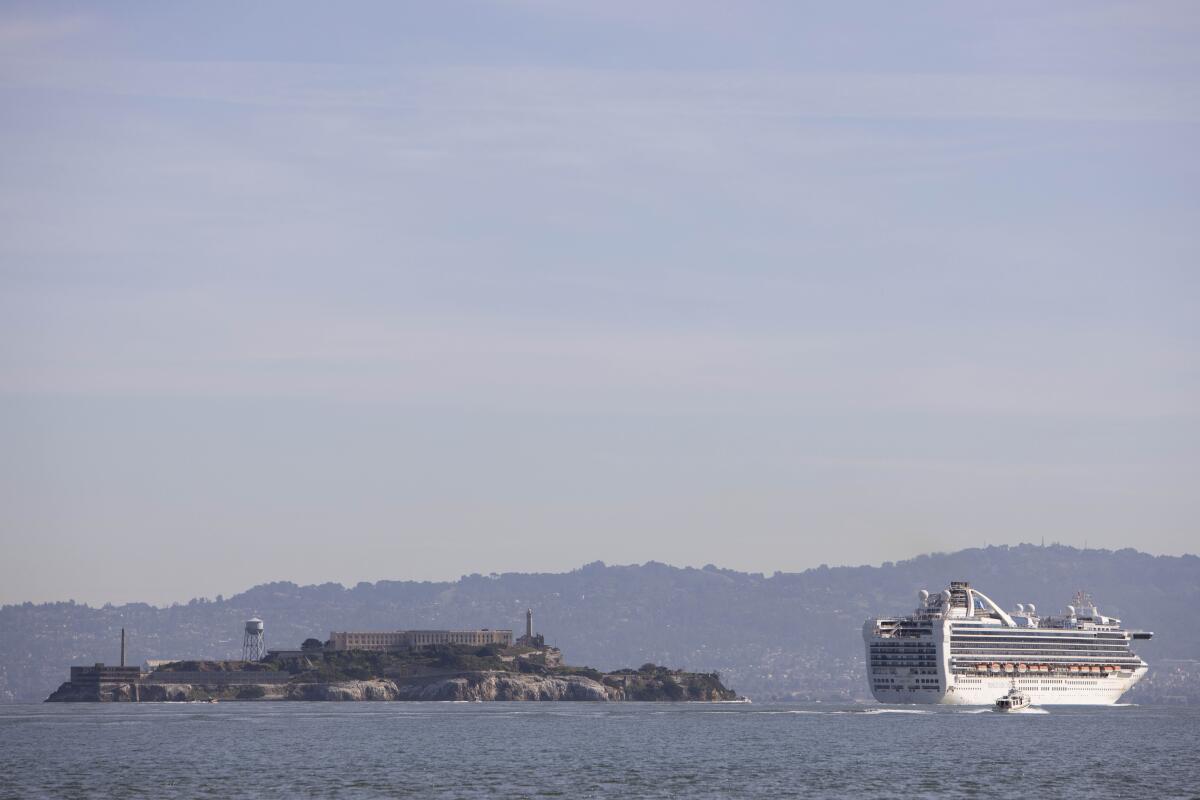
(1065, 691)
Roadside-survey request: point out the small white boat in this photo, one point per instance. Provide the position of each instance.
(1015, 700)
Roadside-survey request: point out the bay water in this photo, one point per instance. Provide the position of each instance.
(651, 750)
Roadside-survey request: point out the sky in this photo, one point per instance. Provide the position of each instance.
(311, 292)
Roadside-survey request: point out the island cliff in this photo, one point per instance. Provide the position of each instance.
(468, 686)
(445, 673)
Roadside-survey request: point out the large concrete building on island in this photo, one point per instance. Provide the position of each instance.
(393, 640)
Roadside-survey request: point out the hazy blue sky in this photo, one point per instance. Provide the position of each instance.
(380, 290)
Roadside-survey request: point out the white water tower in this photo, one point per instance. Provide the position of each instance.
(254, 643)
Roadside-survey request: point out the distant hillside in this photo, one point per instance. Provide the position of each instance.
(790, 635)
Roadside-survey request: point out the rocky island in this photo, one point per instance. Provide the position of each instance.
(440, 672)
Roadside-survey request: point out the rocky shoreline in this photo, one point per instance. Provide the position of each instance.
(483, 686)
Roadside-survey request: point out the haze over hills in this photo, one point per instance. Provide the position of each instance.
(784, 636)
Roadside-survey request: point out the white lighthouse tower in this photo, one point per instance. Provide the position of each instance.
(254, 643)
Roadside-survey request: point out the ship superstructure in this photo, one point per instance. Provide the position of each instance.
(960, 647)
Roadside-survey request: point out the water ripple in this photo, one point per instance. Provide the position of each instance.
(582, 750)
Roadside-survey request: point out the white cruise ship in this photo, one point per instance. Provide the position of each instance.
(959, 647)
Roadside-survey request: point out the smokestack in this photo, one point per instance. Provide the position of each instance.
(529, 622)
(122, 647)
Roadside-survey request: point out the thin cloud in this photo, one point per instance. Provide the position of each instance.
(698, 95)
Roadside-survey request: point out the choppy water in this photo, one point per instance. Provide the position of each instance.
(366, 750)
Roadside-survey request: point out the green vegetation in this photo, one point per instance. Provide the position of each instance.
(649, 682)
(586, 672)
(304, 676)
(652, 682)
(365, 665)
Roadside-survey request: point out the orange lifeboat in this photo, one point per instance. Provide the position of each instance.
(1074, 668)
(1022, 668)
(995, 667)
